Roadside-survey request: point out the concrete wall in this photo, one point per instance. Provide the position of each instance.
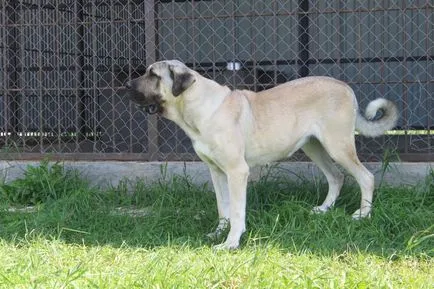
(109, 173)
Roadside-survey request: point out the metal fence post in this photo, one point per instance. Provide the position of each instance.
(150, 46)
(13, 47)
(303, 38)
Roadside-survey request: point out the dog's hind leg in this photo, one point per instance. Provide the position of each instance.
(344, 153)
(316, 152)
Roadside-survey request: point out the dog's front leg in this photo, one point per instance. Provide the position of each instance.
(220, 183)
(237, 183)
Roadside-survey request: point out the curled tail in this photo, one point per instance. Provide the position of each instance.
(366, 126)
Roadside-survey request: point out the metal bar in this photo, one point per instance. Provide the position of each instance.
(193, 30)
(429, 100)
(95, 98)
(404, 87)
(292, 13)
(383, 52)
(130, 70)
(254, 63)
(112, 76)
(274, 39)
(303, 38)
(162, 2)
(213, 67)
(13, 46)
(40, 77)
(250, 62)
(122, 87)
(3, 87)
(79, 8)
(407, 157)
(6, 83)
(150, 47)
(233, 34)
(20, 79)
(58, 92)
(253, 14)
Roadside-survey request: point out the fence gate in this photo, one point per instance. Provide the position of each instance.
(63, 64)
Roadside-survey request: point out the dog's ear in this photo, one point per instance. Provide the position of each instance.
(182, 79)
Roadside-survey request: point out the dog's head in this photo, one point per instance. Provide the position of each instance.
(161, 84)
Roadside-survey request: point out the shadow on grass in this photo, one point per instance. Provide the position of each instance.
(177, 212)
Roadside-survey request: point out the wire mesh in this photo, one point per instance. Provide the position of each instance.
(63, 64)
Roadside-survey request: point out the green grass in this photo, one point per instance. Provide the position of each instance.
(153, 236)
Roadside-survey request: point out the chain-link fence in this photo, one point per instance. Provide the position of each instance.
(63, 64)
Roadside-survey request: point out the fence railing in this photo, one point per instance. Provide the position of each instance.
(63, 64)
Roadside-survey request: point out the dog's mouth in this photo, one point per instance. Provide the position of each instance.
(150, 105)
(152, 108)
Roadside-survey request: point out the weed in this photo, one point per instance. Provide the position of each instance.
(389, 156)
(41, 183)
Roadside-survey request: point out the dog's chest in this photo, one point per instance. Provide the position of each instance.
(201, 148)
(204, 151)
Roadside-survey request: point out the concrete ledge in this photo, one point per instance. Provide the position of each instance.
(109, 173)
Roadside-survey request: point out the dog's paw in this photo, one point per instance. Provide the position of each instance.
(226, 246)
(320, 210)
(361, 214)
(222, 228)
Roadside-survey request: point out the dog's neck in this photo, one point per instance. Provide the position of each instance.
(194, 107)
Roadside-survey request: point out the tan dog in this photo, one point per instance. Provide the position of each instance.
(234, 130)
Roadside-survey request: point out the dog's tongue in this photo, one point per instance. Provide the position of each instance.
(152, 108)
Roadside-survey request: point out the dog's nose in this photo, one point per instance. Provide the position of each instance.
(128, 85)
